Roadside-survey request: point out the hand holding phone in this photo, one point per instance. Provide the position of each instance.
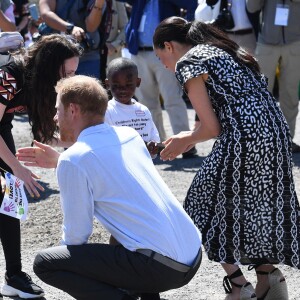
(34, 11)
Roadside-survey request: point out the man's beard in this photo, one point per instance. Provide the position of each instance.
(67, 135)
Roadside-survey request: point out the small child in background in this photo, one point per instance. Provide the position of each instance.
(122, 80)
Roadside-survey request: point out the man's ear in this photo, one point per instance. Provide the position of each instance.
(107, 84)
(74, 109)
(138, 82)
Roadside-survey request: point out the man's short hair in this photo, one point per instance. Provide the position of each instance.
(85, 91)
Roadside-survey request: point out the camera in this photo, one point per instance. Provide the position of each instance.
(87, 43)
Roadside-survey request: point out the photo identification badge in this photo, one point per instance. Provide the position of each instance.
(282, 15)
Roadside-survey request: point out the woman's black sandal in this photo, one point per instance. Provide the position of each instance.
(247, 291)
(278, 287)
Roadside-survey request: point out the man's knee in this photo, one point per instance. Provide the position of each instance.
(38, 264)
(41, 264)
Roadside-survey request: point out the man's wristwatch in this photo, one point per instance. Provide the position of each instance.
(69, 28)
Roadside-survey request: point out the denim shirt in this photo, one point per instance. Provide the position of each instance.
(166, 9)
(149, 22)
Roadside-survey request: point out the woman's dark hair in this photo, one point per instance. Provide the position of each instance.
(194, 33)
(42, 63)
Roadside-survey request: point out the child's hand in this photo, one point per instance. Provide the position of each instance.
(154, 148)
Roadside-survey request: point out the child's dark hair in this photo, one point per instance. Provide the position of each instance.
(194, 33)
(121, 64)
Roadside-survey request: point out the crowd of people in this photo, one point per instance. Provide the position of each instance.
(242, 205)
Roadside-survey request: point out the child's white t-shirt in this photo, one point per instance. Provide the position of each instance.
(135, 115)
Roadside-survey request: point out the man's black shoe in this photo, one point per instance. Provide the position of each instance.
(150, 296)
(295, 148)
(190, 154)
(21, 285)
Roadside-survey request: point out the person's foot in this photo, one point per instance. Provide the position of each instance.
(271, 285)
(150, 296)
(190, 154)
(21, 285)
(295, 148)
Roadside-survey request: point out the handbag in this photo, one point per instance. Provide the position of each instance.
(44, 29)
(224, 20)
(207, 11)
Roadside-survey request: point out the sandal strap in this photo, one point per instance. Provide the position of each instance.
(264, 272)
(251, 267)
(227, 283)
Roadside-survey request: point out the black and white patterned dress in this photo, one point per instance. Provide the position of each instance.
(243, 198)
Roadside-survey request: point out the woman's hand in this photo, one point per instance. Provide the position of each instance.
(29, 180)
(40, 155)
(176, 145)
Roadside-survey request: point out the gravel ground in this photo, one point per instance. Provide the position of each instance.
(43, 227)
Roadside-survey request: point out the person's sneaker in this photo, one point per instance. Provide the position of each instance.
(1, 296)
(295, 148)
(190, 154)
(21, 285)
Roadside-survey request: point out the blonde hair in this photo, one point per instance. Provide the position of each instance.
(85, 91)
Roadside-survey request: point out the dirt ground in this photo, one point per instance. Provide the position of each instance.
(43, 227)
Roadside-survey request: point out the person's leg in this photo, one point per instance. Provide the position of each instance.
(289, 79)
(100, 271)
(10, 233)
(148, 92)
(16, 283)
(247, 41)
(236, 281)
(171, 93)
(10, 236)
(270, 283)
(268, 57)
(144, 296)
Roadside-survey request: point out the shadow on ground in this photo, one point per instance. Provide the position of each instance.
(296, 159)
(180, 164)
(44, 195)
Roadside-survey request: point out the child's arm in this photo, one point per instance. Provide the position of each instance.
(154, 148)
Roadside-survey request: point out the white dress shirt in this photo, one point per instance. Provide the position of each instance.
(108, 174)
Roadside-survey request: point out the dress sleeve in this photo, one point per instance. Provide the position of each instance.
(8, 87)
(190, 67)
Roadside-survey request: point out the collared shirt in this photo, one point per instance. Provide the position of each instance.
(149, 21)
(109, 174)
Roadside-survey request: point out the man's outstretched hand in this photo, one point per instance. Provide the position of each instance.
(40, 155)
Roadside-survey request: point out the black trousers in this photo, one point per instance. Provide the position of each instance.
(102, 271)
(10, 234)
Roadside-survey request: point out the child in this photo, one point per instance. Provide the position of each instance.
(123, 110)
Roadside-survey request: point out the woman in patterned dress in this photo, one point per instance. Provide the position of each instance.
(243, 198)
